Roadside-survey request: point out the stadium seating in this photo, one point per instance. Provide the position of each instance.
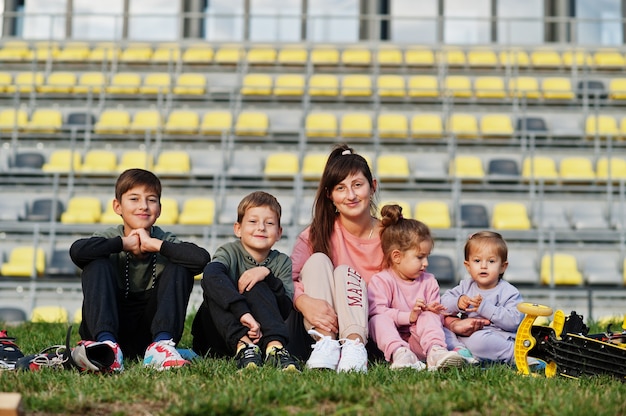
(124, 83)
(510, 216)
(190, 84)
(321, 125)
(313, 166)
(169, 212)
(287, 85)
(426, 126)
(45, 120)
(257, 84)
(392, 167)
(112, 122)
(281, 165)
(145, 121)
(13, 119)
(252, 123)
(49, 314)
(435, 214)
(99, 161)
(63, 160)
(59, 82)
(182, 122)
(215, 123)
(24, 261)
(355, 125)
(90, 83)
(156, 83)
(560, 269)
(197, 211)
(131, 159)
(392, 126)
(173, 162)
(82, 210)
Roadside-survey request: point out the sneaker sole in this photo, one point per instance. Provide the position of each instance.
(450, 362)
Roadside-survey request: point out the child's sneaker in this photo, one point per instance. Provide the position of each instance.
(55, 356)
(466, 354)
(440, 358)
(279, 357)
(353, 356)
(9, 352)
(249, 357)
(104, 357)
(326, 352)
(163, 355)
(405, 358)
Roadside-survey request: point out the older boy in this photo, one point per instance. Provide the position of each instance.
(137, 278)
(248, 291)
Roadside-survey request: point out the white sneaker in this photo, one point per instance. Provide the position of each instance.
(405, 358)
(440, 358)
(326, 352)
(353, 356)
(163, 355)
(467, 355)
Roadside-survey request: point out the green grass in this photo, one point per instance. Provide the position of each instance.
(211, 387)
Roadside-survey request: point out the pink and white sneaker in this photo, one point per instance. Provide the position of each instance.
(163, 355)
(105, 357)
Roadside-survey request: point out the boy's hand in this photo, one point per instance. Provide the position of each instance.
(147, 243)
(250, 277)
(254, 331)
(465, 303)
(131, 244)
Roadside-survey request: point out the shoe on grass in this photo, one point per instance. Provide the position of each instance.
(98, 357)
(326, 352)
(440, 358)
(162, 355)
(405, 358)
(467, 355)
(279, 357)
(353, 356)
(249, 357)
(9, 352)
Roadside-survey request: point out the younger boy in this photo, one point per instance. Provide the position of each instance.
(137, 278)
(248, 291)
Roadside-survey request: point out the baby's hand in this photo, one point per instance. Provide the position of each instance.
(435, 307)
(466, 303)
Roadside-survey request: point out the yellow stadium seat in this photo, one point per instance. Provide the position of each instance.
(14, 51)
(435, 214)
(251, 123)
(44, 120)
(215, 123)
(602, 126)
(82, 210)
(390, 86)
(10, 119)
(356, 86)
(323, 85)
(489, 87)
(281, 165)
(388, 56)
(617, 88)
(169, 212)
(109, 216)
(262, 55)
(557, 88)
(165, 53)
(539, 167)
(26, 82)
(23, 261)
(50, 314)
(426, 126)
(104, 51)
(458, 86)
(527, 87)
(463, 125)
(292, 56)
(453, 57)
(182, 122)
(59, 82)
(545, 58)
(423, 86)
(356, 125)
(99, 161)
(289, 85)
(124, 83)
(145, 120)
(321, 125)
(313, 166)
(514, 58)
(392, 167)
(482, 58)
(608, 59)
(112, 122)
(391, 125)
(467, 167)
(173, 162)
(74, 52)
(405, 205)
(229, 55)
(198, 54)
(256, 84)
(135, 159)
(325, 55)
(197, 211)
(44, 51)
(136, 53)
(62, 160)
(496, 125)
(576, 169)
(510, 216)
(356, 57)
(156, 83)
(6, 79)
(578, 58)
(615, 167)
(90, 82)
(190, 84)
(419, 57)
(560, 269)
(78, 315)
